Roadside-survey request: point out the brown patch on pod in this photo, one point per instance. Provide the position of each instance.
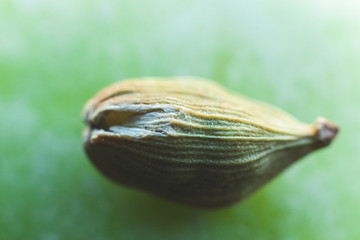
(191, 141)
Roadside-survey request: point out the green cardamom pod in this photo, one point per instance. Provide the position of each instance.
(191, 141)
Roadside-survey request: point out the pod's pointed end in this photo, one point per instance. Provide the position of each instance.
(325, 131)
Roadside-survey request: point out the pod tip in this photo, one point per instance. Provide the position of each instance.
(326, 131)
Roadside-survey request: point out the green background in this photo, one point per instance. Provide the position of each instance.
(303, 57)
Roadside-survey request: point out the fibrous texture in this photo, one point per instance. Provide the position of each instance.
(191, 141)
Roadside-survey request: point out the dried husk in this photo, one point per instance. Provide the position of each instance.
(191, 141)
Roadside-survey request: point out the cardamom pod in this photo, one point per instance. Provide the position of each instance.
(191, 141)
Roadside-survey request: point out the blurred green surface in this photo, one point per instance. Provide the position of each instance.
(303, 57)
